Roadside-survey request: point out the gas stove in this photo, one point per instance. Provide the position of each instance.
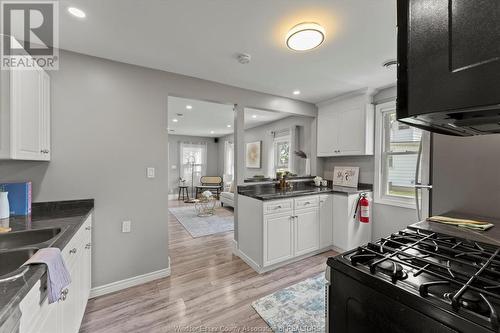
(449, 282)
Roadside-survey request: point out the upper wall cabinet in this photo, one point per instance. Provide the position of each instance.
(25, 115)
(346, 127)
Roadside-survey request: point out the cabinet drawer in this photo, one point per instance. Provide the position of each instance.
(282, 206)
(72, 249)
(306, 202)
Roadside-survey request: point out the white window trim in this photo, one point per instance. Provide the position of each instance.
(276, 141)
(379, 198)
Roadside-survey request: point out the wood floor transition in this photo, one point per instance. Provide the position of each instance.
(209, 290)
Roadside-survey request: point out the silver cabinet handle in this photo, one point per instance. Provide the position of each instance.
(44, 151)
(64, 294)
(88, 227)
(278, 207)
(72, 251)
(307, 203)
(88, 246)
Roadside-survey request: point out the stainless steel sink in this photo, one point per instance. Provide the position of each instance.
(19, 239)
(11, 261)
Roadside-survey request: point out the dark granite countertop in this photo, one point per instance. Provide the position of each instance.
(69, 216)
(271, 192)
(490, 236)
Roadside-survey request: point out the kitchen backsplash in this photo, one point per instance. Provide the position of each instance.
(365, 164)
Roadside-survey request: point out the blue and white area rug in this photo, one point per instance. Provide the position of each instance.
(298, 308)
(197, 226)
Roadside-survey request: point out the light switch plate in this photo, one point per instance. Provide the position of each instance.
(126, 226)
(151, 172)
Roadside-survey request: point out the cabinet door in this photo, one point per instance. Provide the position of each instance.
(278, 238)
(306, 231)
(352, 131)
(325, 221)
(25, 114)
(451, 52)
(45, 116)
(51, 320)
(328, 122)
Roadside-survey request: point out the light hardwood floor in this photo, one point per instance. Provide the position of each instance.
(209, 288)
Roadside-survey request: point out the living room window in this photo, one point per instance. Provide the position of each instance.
(228, 161)
(397, 147)
(194, 162)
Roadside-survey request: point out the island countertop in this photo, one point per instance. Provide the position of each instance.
(67, 215)
(271, 192)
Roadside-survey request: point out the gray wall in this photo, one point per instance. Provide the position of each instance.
(174, 156)
(386, 218)
(108, 125)
(263, 133)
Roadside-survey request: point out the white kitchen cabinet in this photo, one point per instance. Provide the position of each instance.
(346, 127)
(325, 220)
(306, 230)
(348, 232)
(66, 315)
(275, 232)
(25, 114)
(278, 238)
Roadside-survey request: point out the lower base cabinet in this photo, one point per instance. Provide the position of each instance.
(66, 315)
(292, 231)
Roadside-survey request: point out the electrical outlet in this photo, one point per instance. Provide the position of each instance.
(126, 226)
(151, 172)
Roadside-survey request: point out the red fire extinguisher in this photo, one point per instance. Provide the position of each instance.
(364, 208)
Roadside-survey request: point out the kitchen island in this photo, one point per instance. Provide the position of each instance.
(276, 227)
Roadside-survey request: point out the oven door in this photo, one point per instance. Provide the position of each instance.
(356, 307)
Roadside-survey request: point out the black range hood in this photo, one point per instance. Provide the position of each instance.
(449, 66)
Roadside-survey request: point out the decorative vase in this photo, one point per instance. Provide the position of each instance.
(308, 166)
(4, 205)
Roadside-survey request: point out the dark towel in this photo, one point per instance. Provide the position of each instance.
(58, 276)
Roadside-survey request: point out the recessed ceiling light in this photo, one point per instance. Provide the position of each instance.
(305, 36)
(254, 116)
(212, 132)
(296, 92)
(228, 126)
(77, 12)
(189, 107)
(175, 120)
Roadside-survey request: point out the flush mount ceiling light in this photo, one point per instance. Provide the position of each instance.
(175, 120)
(189, 107)
(212, 132)
(305, 36)
(254, 116)
(296, 92)
(77, 12)
(228, 126)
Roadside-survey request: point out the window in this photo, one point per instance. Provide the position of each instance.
(228, 161)
(396, 156)
(282, 153)
(193, 162)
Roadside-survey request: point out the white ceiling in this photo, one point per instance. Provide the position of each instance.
(200, 38)
(205, 117)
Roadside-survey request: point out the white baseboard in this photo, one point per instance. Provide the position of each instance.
(130, 282)
(249, 261)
